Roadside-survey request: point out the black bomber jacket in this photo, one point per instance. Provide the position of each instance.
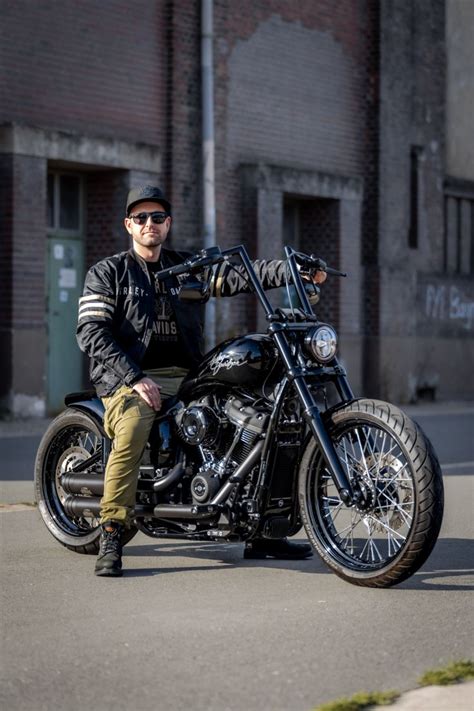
(116, 312)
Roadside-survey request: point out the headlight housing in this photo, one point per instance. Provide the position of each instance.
(321, 343)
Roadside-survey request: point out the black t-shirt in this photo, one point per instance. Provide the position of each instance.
(165, 348)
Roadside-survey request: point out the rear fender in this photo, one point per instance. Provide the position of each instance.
(89, 404)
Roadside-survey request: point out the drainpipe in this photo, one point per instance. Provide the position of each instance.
(208, 177)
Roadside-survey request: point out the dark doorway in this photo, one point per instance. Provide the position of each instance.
(312, 225)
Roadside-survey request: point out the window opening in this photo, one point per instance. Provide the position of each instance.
(459, 228)
(65, 202)
(415, 154)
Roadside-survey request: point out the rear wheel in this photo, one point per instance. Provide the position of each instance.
(71, 438)
(391, 532)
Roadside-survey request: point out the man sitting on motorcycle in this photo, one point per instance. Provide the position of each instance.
(142, 341)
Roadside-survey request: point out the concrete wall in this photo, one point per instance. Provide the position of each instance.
(460, 88)
(412, 115)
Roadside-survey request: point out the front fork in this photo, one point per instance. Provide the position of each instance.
(313, 418)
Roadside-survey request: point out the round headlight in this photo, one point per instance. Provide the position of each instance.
(321, 343)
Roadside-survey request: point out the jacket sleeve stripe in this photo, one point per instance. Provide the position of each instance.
(95, 304)
(97, 297)
(94, 312)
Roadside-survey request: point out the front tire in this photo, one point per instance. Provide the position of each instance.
(72, 437)
(390, 534)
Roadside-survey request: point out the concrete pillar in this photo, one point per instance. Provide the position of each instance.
(350, 290)
(28, 314)
(270, 238)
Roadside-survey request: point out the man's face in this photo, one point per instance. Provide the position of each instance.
(150, 234)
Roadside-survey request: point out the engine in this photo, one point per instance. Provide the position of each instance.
(224, 432)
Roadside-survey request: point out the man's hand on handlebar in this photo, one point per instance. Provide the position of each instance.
(149, 391)
(319, 277)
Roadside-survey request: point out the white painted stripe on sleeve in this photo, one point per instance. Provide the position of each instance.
(104, 314)
(97, 297)
(96, 304)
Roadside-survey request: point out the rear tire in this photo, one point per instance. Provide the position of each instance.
(71, 437)
(390, 535)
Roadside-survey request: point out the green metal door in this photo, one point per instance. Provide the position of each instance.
(65, 281)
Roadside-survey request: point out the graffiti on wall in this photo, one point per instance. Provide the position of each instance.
(448, 304)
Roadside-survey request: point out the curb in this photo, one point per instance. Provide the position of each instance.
(455, 697)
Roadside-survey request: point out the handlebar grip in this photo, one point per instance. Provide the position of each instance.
(335, 272)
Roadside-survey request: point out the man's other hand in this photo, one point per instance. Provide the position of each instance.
(319, 277)
(149, 391)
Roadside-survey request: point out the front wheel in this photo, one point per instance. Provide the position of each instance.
(391, 532)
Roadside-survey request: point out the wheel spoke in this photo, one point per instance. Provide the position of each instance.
(373, 457)
(392, 530)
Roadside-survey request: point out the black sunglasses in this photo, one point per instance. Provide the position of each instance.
(141, 218)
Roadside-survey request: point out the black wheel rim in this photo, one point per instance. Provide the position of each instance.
(71, 446)
(370, 536)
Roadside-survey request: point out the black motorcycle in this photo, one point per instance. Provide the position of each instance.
(263, 437)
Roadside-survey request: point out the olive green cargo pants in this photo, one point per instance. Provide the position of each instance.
(128, 421)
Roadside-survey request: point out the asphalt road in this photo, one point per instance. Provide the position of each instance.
(194, 626)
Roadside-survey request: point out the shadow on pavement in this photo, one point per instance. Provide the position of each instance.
(451, 558)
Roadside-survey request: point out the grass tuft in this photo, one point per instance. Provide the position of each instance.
(361, 700)
(454, 672)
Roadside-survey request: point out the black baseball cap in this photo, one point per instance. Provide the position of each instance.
(146, 193)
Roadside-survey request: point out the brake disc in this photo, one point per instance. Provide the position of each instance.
(389, 494)
(68, 460)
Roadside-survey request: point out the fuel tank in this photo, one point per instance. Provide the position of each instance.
(246, 360)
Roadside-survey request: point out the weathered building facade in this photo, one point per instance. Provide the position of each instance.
(330, 134)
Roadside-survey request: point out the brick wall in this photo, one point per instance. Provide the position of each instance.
(296, 85)
(92, 67)
(105, 196)
(183, 150)
(320, 218)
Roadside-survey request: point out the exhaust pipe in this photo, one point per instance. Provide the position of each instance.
(83, 484)
(89, 506)
(239, 475)
(171, 478)
(82, 506)
(194, 511)
(93, 484)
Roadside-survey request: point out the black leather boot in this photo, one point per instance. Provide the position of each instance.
(109, 561)
(282, 549)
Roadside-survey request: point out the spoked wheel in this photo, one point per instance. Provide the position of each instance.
(390, 533)
(71, 438)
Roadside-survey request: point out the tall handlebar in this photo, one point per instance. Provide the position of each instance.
(214, 255)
